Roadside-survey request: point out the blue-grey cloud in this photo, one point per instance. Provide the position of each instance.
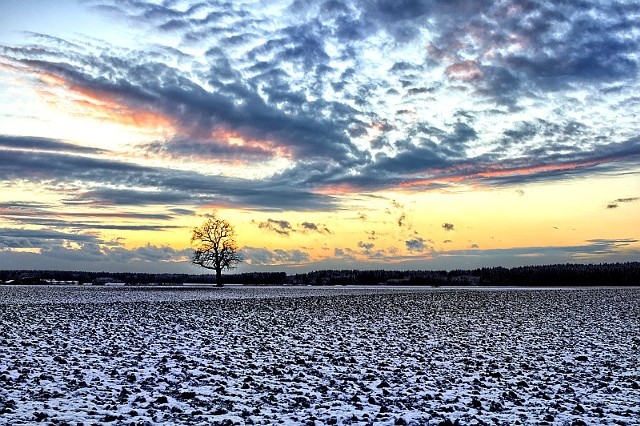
(95, 256)
(87, 225)
(615, 204)
(592, 248)
(54, 216)
(417, 244)
(124, 183)
(44, 144)
(346, 254)
(27, 238)
(256, 256)
(313, 227)
(281, 227)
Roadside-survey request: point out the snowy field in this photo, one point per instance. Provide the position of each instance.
(85, 355)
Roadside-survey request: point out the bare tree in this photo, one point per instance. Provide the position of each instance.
(215, 246)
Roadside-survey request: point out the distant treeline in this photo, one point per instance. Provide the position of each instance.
(98, 278)
(605, 274)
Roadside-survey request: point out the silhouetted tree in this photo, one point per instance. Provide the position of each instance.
(215, 246)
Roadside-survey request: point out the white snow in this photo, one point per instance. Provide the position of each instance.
(251, 355)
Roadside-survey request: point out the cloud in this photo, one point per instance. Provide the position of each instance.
(264, 257)
(224, 147)
(281, 227)
(57, 250)
(365, 246)
(309, 226)
(622, 248)
(417, 244)
(284, 227)
(113, 182)
(604, 246)
(77, 225)
(300, 85)
(344, 254)
(147, 88)
(31, 238)
(615, 204)
(522, 41)
(57, 222)
(28, 143)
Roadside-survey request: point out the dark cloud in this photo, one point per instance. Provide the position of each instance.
(281, 227)
(615, 204)
(402, 220)
(284, 227)
(27, 238)
(365, 246)
(111, 183)
(52, 216)
(130, 197)
(216, 150)
(604, 246)
(448, 226)
(309, 226)
(344, 254)
(417, 244)
(86, 225)
(545, 45)
(591, 248)
(44, 144)
(88, 254)
(102, 255)
(22, 207)
(263, 257)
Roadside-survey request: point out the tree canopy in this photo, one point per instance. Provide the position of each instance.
(215, 246)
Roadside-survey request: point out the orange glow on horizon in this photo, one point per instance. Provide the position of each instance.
(495, 172)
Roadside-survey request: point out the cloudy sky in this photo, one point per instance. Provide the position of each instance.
(396, 134)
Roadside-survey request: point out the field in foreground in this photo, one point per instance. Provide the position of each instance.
(319, 356)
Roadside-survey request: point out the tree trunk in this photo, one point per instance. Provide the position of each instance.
(219, 277)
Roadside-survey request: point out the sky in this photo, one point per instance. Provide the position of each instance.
(379, 134)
